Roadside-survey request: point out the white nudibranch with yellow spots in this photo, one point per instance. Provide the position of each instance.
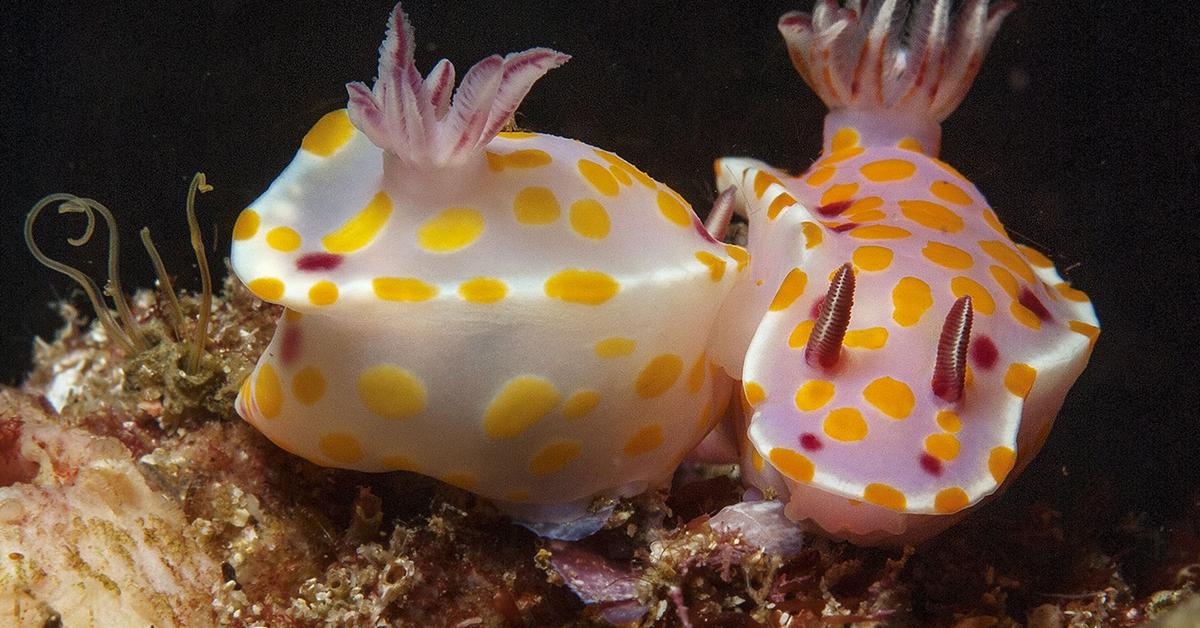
(907, 357)
(521, 315)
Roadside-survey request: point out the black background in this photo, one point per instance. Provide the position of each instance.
(1081, 130)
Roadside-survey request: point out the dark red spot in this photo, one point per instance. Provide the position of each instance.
(931, 465)
(845, 227)
(289, 347)
(815, 312)
(1030, 301)
(810, 442)
(318, 261)
(984, 352)
(833, 209)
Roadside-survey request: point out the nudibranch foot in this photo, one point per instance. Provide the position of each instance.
(569, 521)
(962, 345)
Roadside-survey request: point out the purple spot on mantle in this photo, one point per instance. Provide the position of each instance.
(318, 261)
(289, 346)
(810, 442)
(833, 209)
(1030, 301)
(984, 352)
(931, 465)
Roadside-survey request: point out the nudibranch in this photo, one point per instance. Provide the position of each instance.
(521, 315)
(907, 358)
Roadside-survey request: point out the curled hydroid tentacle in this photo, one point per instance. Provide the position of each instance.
(71, 203)
(197, 348)
(164, 281)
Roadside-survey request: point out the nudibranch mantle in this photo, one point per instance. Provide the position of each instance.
(522, 315)
(863, 434)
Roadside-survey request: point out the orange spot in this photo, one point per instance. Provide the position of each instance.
(1025, 316)
(361, 228)
(521, 403)
(644, 441)
(872, 258)
(716, 265)
(931, 215)
(844, 138)
(599, 177)
(1006, 280)
(1000, 463)
(628, 168)
(1070, 293)
(615, 347)
(580, 403)
(812, 234)
(695, 378)
(886, 496)
(1091, 331)
(528, 158)
(778, 205)
(588, 287)
(266, 288)
(738, 254)
(659, 375)
(950, 193)
(879, 232)
(950, 500)
(799, 336)
(911, 143)
(553, 457)
(536, 205)
(268, 393)
(887, 170)
(762, 181)
(1019, 379)
(308, 385)
(890, 396)
(789, 290)
(792, 464)
(947, 256)
(911, 298)
(949, 421)
(482, 290)
(820, 176)
(981, 299)
(845, 424)
(869, 338)
(329, 134)
(944, 447)
(990, 218)
(814, 394)
(1009, 257)
(516, 135)
(1035, 257)
(673, 210)
(341, 447)
(839, 192)
(323, 293)
(402, 289)
(246, 225)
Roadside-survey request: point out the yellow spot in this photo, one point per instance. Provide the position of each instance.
(890, 396)
(645, 440)
(361, 228)
(992, 221)
(812, 234)
(1019, 378)
(839, 156)
(323, 293)
(553, 457)
(866, 216)
(452, 230)
(950, 500)
(754, 393)
(659, 375)
(589, 287)
(947, 256)
(869, 338)
(762, 181)
(1000, 462)
(911, 143)
(1035, 257)
(932, 215)
(308, 385)
(778, 205)
(1079, 296)
(844, 138)
(845, 424)
(673, 210)
(246, 225)
(580, 403)
(266, 288)
(329, 134)
(527, 158)
(391, 392)
(911, 298)
(872, 258)
(820, 176)
(886, 170)
(268, 393)
(944, 447)
(465, 481)
(1025, 316)
(516, 135)
(341, 447)
(738, 254)
(950, 193)
(756, 459)
(402, 289)
(863, 205)
(790, 289)
(716, 265)
(695, 378)
(949, 421)
(482, 290)
(1009, 257)
(981, 299)
(839, 192)
(615, 347)
(1006, 280)
(799, 336)
(536, 205)
(523, 401)
(792, 464)
(814, 394)
(589, 219)
(398, 463)
(599, 177)
(627, 168)
(879, 232)
(621, 175)
(283, 239)
(886, 496)
(1091, 331)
